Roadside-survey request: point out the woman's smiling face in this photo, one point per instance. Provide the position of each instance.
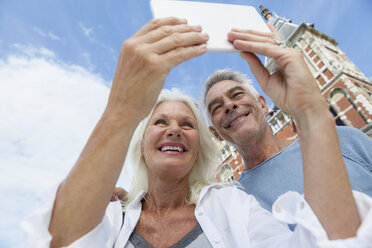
(171, 140)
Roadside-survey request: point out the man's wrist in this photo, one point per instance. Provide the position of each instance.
(314, 120)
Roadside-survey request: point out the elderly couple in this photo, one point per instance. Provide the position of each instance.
(174, 199)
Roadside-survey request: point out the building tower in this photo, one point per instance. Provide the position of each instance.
(346, 89)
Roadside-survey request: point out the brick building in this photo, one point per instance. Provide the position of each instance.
(346, 89)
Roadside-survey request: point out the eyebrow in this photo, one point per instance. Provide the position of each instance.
(229, 92)
(164, 116)
(158, 115)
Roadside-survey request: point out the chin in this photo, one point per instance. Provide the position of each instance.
(173, 165)
(244, 132)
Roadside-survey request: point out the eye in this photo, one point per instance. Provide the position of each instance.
(237, 95)
(187, 124)
(160, 122)
(216, 109)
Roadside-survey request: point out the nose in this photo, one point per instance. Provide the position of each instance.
(230, 106)
(174, 130)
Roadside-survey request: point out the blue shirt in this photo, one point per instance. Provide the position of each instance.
(283, 172)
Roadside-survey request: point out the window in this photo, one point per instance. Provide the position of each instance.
(368, 91)
(227, 173)
(338, 120)
(321, 81)
(328, 74)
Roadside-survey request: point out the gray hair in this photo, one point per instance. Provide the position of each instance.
(204, 170)
(221, 75)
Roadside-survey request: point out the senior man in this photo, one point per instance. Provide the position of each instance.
(273, 166)
(237, 112)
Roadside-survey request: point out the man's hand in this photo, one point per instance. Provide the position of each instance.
(292, 87)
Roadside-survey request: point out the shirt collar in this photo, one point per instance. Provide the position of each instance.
(141, 194)
(205, 189)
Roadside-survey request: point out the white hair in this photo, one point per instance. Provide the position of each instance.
(203, 172)
(222, 75)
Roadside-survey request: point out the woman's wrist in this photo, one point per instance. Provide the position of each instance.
(117, 118)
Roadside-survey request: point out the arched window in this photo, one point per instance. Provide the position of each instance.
(227, 173)
(338, 120)
(338, 93)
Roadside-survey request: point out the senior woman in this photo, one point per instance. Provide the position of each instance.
(174, 200)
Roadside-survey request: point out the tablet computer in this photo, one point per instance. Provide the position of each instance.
(216, 19)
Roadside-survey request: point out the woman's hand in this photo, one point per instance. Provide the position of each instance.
(291, 87)
(144, 62)
(146, 59)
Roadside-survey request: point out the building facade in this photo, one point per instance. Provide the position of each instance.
(346, 89)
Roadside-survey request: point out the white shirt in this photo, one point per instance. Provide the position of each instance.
(228, 216)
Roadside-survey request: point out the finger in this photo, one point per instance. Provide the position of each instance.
(181, 54)
(118, 194)
(250, 31)
(121, 193)
(156, 23)
(275, 33)
(114, 197)
(248, 37)
(267, 49)
(259, 71)
(177, 40)
(165, 31)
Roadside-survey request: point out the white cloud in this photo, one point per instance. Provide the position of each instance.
(48, 109)
(49, 34)
(53, 36)
(185, 81)
(31, 51)
(87, 31)
(85, 58)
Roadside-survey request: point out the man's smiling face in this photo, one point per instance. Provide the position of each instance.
(235, 113)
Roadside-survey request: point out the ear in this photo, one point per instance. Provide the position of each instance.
(215, 133)
(263, 104)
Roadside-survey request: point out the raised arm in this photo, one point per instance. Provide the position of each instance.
(293, 89)
(144, 62)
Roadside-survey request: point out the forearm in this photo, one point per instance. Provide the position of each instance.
(326, 184)
(144, 62)
(84, 195)
(293, 89)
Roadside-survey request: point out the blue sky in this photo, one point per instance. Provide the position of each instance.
(57, 60)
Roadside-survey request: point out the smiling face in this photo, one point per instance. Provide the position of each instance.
(235, 113)
(171, 140)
